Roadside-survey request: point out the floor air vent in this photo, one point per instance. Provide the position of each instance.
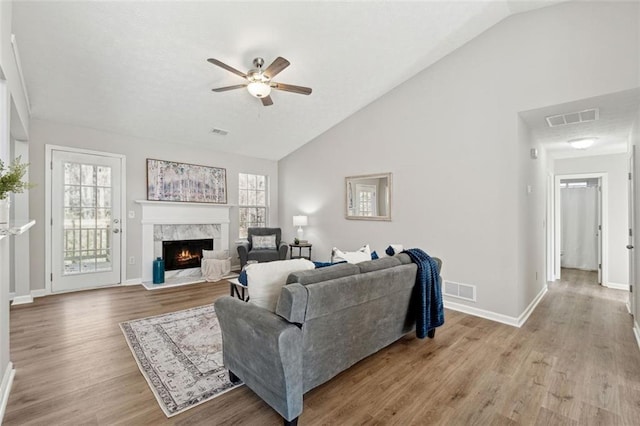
(459, 290)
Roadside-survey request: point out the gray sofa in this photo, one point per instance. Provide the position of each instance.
(326, 320)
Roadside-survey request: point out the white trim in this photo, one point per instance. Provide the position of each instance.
(39, 293)
(179, 213)
(133, 281)
(617, 286)
(636, 332)
(22, 300)
(48, 158)
(12, 295)
(604, 183)
(5, 388)
(532, 306)
(494, 316)
(23, 84)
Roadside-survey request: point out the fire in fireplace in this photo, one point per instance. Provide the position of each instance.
(184, 254)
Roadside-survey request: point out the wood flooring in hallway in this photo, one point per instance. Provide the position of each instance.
(575, 362)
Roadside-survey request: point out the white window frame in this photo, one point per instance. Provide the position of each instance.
(253, 206)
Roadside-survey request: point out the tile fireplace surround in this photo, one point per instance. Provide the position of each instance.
(170, 221)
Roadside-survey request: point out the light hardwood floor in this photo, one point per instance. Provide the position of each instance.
(574, 362)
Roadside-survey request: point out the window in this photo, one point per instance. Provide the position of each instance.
(252, 204)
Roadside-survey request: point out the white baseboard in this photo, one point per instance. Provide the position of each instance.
(636, 332)
(5, 388)
(494, 316)
(477, 312)
(12, 295)
(22, 300)
(532, 306)
(133, 281)
(617, 286)
(39, 293)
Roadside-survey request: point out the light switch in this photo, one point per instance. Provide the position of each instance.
(132, 214)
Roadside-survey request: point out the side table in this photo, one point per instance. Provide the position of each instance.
(300, 247)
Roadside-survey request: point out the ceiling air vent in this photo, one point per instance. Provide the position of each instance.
(219, 132)
(573, 117)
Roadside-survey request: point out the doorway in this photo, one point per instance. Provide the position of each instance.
(580, 224)
(84, 218)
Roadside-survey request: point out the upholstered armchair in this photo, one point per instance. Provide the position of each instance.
(247, 251)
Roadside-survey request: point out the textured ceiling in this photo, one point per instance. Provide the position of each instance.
(618, 111)
(139, 68)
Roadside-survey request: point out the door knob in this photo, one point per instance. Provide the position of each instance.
(115, 231)
(629, 246)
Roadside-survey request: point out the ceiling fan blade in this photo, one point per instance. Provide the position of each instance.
(227, 67)
(266, 101)
(224, 89)
(291, 88)
(276, 66)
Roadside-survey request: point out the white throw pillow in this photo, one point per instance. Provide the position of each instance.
(265, 280)
(361, 255)
(263, 242)
(215, 254)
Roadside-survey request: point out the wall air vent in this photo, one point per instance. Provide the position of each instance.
(219, 132)
(460, 291)
(573, 117)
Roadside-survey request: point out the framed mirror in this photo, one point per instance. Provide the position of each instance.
(368, 197)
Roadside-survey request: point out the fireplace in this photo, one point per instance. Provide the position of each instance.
(184, 254)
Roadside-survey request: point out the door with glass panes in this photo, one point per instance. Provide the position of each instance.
(86, 227)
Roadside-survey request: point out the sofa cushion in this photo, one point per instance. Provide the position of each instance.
(403, 258)
(360, 255)
(323, 274)
(264, 242)
(265, 280)
(377, 264)
(292, 303)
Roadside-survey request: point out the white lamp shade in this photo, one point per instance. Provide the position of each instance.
(259, 89)
(299, 221)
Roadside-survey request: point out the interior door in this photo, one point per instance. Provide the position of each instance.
(86, 214)
(630, 243)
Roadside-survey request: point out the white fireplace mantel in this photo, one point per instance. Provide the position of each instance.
(179, 213)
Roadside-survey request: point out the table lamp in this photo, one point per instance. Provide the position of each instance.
(300, 221)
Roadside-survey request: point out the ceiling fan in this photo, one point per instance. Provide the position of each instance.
(259, 82)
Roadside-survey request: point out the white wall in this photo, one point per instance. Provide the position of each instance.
(616, 168)
(137, 151)
(9, 69)
(450, 137)
(531, 213)
(634, 140)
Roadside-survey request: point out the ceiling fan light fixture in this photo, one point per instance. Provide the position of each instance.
(259, 89)
(582, 143)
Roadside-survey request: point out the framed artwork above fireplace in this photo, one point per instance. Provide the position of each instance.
(172, 181)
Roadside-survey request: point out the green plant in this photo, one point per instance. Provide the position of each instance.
(11, 178)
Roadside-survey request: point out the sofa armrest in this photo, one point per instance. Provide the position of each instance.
(243, 253)
(282, 251)
(265, 351)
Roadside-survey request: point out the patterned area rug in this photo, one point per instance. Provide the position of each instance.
(180, 355)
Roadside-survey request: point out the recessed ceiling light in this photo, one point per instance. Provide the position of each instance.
(582, 143)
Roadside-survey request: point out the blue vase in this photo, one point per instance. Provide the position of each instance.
(158, 271)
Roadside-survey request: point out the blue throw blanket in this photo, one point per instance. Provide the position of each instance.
(427, 293)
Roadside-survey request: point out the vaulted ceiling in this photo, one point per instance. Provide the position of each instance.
(140, 69)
